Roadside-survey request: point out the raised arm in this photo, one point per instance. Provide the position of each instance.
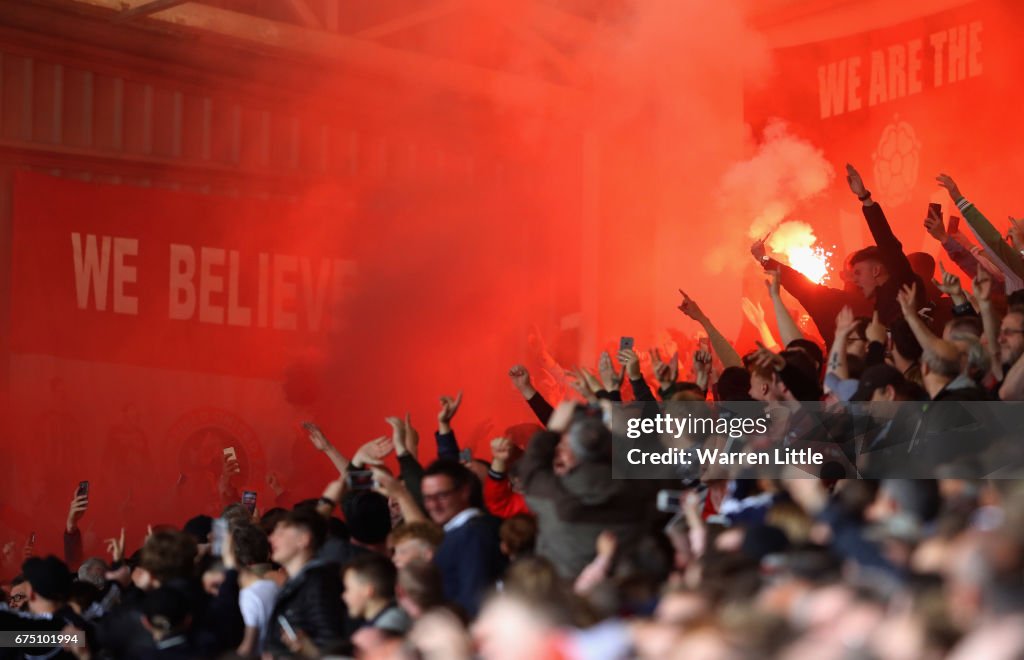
(666, 373)
(630, 362)
(321, 443)
(702, 369)
(755, 314)
(447, 446)
(960, 255)
(725, 351)
(983, 296)
(889, 247)
(521, 379)
(928, 340)
(500, 498)
(406, 441)
(788, 328)
(73, 535)
(820, 301)
(984, 229)
(950, 285)
(387, 485)
(845, 323)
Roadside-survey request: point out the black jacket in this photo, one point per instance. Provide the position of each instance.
(311, 602)
(890, 251)
(217, 625)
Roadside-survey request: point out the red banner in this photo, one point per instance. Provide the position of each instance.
(937, 94)
(169, 279)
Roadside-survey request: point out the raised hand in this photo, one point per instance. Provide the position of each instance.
(856, 182)
(691, 309)
(373, 452)
(947, 182)
(753, 312)
(274, 483)
(875, 331)
(983, 286)
(79, 505)
(521, 379)
(412, 437)
(398, 435)
(316, 436)
(758, 249)
(115, 547)
(845, 322)
(229, 467)
(384, 482)
(449, 406)
(906, 298)
(701, 363)
(611, 379)
(501, 449)
(667, 373)
(584, 383)
(936, 227)
(630, 361)
(950, 283)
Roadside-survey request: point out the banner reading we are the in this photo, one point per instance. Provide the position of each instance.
(940, 93)
(170, 279)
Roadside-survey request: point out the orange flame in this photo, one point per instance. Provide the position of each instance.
(797, 242)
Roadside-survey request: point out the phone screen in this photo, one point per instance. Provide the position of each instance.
(217, 536)
(935, 210)
(359, 479)
(626, 343)
(954, 225)
(466, 455)
(83, 488)
(249, 500)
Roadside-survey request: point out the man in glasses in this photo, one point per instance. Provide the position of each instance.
(1011, 337)
(18, 600)
(469, 556)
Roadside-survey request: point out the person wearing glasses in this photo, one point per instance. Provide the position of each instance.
(18, 600)
(469, 556)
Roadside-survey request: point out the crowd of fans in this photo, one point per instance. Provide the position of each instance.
(539, 553)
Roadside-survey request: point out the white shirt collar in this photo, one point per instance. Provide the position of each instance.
(461, 518)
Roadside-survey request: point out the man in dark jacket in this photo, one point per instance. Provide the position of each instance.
(575, 497)
(310, 601)
(822, 303)
(469, 556)
(881, 270)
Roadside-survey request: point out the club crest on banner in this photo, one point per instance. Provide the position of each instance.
(202, 437)
(897, 162)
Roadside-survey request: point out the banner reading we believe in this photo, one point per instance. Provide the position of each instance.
(169, 279)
